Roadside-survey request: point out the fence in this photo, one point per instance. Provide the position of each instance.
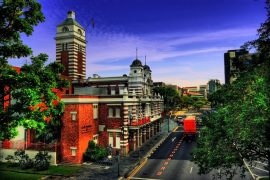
(53, 147)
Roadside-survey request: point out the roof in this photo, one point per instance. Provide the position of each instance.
(146, 67)
(70, 21)
(136, 63)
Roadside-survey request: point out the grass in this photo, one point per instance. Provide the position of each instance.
(16, 173)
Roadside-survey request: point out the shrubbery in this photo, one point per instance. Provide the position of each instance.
(40, 162)
(94, 153)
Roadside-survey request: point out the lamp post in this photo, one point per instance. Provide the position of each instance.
(118, 165)
(169, 122)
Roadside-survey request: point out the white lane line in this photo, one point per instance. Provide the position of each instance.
(173, 139)
(190, 170)
(259, 169)
(261, 163)
(141, 178)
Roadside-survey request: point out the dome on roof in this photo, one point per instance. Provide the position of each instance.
(146, 67)
(136, 62)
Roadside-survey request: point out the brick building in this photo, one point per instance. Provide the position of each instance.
(121, 112)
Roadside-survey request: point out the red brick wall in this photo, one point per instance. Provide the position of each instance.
(77, 133)
(64, 61)
(80, 61)
(110, 123)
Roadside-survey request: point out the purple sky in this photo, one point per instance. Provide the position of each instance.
(184, 40)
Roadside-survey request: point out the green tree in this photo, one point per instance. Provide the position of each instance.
(171, 97)
(32, 98)
(240, 126)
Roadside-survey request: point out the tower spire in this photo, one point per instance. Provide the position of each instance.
(136, 53)
(145, 60)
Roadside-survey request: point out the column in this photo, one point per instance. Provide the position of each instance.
(134, 141)
(138, 138)
(141, 136)
(124, 139)
(134, 116)
(144, 135)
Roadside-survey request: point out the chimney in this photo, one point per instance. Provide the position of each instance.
(71, 14)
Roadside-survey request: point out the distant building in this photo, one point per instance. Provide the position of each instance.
(212, 85)
(203, 90)
(231, 59)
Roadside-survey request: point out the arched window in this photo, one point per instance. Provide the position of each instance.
(65, 29)
(80, 31)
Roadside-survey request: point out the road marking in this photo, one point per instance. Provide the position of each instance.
(190, 170)
(261, 163)
(163, 168)
(138, 168)
(159, 173)
(142, 178)
(166, 163)
(173, 139)
(259, 168)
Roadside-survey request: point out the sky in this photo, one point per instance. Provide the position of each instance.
(184, 41)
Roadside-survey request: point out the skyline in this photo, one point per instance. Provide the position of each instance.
(180, 50)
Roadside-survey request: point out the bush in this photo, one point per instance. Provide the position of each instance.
(11, 161)
(24, 161)
(42, 161)
(94, 153)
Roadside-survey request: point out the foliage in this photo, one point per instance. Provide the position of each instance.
(11, 161)
(24, 161)
(42, 161)
(173, 99)
(19, 159)
(17, 17)
(171, 96)
(239, 128)
(32, 97)
(94, 153)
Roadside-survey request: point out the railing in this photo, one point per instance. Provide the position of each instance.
(141, 121)
(20, 144)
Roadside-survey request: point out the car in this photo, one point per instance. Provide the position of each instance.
(180, 120)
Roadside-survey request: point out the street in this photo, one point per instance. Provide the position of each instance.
(172, 160)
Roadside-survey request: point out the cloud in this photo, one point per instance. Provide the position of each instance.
(113, 46)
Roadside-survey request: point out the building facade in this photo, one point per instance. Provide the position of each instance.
(119, 112)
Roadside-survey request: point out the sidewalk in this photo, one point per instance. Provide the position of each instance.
(127, 163)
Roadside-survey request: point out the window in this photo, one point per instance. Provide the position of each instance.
(80, 31)
(135, 71)
(65, 29)
(111, 139)
(95, 111)
(117, 112)
(73, 116)
(112, 90)
(64, 46)
(73, 151)
(79, 48)
(110, 112)
(114, 112)
(117, 141)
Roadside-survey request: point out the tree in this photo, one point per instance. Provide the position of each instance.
(239, 128)
(34, 98)
(28, 98)
(171, 96)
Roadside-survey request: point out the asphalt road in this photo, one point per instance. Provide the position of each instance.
(171, 161)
